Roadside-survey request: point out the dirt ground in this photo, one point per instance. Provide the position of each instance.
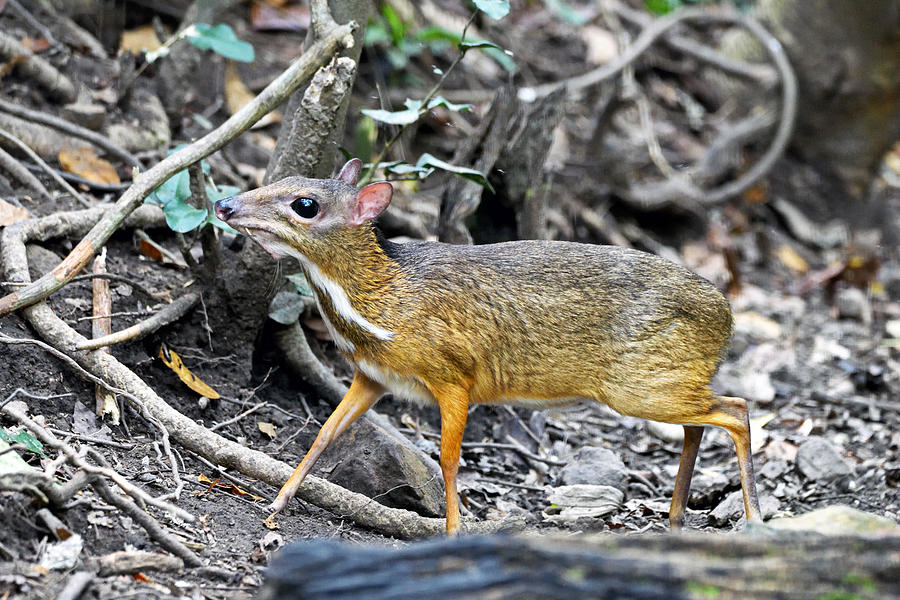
(812, 352)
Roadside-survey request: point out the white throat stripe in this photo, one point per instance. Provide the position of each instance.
(339, 299)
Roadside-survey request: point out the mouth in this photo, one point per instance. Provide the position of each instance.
(273, 248)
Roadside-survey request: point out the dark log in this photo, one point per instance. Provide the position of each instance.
(670, 566)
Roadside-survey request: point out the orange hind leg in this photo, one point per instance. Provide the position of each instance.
(731, 415)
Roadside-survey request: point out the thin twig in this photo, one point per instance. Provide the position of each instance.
(13, 167)
(150, 525)
(136, 402)
(119, 278)
(50, 171)
(24, 392)
(48, 439)
(168, 314)
(237, 418)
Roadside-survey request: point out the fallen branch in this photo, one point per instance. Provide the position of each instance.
(168, 314)
(36, 68)
(274, 94)
(8, 164)
(47, 168)
(72, 129)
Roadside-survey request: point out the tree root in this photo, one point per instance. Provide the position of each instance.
(36, 68)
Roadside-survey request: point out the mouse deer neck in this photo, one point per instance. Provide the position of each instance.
(352, 278)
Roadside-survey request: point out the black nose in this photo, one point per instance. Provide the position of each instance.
(225, 208)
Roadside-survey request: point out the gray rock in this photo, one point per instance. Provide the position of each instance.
(595, 466)
(839, 520)
(731, 509)
(819, 460)
(372, 457)
(852, 303)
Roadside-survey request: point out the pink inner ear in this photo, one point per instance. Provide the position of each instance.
(350, 171)
(371, 202)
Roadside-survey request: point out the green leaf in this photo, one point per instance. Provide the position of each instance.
(400, 117)
(24, 438)
(438, 34)
(441, 101)
(176, 186)
(182, 217)
(495, 9)
(429, 161)
(300, 284)
(221, 40)
(479, 44)
(662, 7)
(412, 112)
(286, 307)
(398, 29)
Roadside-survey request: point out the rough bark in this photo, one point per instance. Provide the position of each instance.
(667, 566)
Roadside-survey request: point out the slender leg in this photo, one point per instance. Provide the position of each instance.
(692, 437)
(454, 405)
(731, 415)
(363, 393)
(741, 437)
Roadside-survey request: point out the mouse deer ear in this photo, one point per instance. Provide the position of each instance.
(371, 202)
(350, 171)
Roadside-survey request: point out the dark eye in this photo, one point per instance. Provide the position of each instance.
(305, 207)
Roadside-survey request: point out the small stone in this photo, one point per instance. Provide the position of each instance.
(852, 303)
(87, 115)
(819, 460)
(595, 466)
(839, 520)
(731, 509)
(893, 328)
(569, 503)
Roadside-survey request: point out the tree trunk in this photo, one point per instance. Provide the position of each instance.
(646, 567)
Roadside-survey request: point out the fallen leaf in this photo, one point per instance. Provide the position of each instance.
(151, 249)
(36, 45)
(758, 435)
(267, 428)
(173, 361)
(227, 487)
(237, 95)
(10, 213)
(142, 39)
(791, 259)
(85, 163)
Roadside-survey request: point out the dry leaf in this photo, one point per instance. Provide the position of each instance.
(758, 435)
(10, 213)
(267, 428)
(791, 259)
(85, 163)
(36, 45)
(237, 95)
(142, 39)
(173, 361)
(227, 487)
(151, 249)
